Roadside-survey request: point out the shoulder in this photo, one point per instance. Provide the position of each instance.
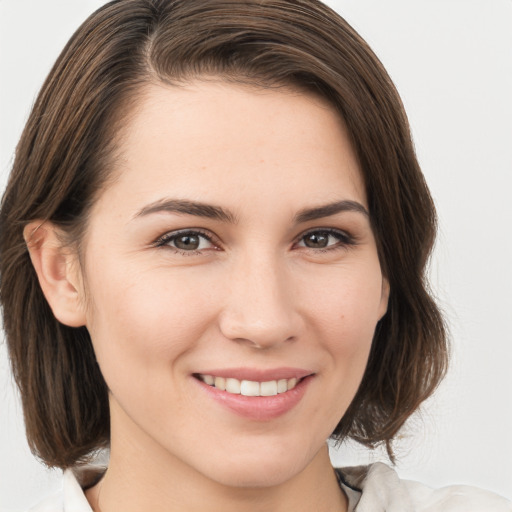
(456, 498)
(69, 498)
(53, 503)
(380, 489)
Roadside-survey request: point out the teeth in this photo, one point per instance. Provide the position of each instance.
(233, 386)
(219, 382)
(249, 387)
(208, 379)
(282, 386)
(268, 388)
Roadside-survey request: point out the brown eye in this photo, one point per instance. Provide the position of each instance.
(326, 239)
(316, 240)
(186, 241)
(189, 242)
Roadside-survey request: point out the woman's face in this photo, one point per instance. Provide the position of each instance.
(234, 246)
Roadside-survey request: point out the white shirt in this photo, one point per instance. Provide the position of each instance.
(374, 488)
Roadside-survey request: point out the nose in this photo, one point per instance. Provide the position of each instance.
(259, 308)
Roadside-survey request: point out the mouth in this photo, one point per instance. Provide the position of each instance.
(256, 394)
(244, 387)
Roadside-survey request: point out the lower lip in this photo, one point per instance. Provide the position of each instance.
(258, 408)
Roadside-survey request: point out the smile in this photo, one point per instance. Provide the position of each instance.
(254, 393)
(249, 387)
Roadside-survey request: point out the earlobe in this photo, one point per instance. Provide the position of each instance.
(384, 299)
(58, 272)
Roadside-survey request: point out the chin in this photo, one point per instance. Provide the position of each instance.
(259, 469)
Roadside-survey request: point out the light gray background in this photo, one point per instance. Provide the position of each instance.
(452, 63)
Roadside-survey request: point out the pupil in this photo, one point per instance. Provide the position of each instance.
(187, 242)
(316, 240)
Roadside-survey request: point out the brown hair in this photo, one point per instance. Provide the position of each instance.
(63, 159)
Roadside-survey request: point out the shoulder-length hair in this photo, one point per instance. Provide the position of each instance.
(64, 159)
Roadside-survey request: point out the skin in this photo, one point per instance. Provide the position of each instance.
(255, 295)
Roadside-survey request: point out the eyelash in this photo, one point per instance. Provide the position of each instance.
(345, 240)
(165, 240)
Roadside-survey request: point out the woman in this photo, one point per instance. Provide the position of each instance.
(212, 255)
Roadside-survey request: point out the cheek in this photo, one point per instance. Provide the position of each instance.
(346, 304)
(343, 313)
(143, 322)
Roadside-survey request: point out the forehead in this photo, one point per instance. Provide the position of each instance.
(210, 139)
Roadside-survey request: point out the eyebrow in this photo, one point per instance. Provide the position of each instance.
(327, 210)
(189, 208)
(218, 213)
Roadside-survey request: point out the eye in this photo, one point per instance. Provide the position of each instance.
(325, 239)
(186, 241)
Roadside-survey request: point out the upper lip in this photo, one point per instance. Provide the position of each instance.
(258, 374)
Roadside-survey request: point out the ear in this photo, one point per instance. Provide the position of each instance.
(384, 298)
(58, 272)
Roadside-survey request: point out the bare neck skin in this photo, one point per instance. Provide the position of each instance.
(143, 477)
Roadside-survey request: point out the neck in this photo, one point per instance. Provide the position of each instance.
(140, 481)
